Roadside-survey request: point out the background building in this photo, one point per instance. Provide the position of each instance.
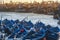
(1, 1)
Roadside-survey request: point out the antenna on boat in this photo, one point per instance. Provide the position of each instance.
(25, 18)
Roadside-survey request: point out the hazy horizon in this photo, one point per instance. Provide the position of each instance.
(7, 1)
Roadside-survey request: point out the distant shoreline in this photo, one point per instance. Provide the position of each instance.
(15, 11)
(26, 12)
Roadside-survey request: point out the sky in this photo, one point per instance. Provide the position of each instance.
(25, 0)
